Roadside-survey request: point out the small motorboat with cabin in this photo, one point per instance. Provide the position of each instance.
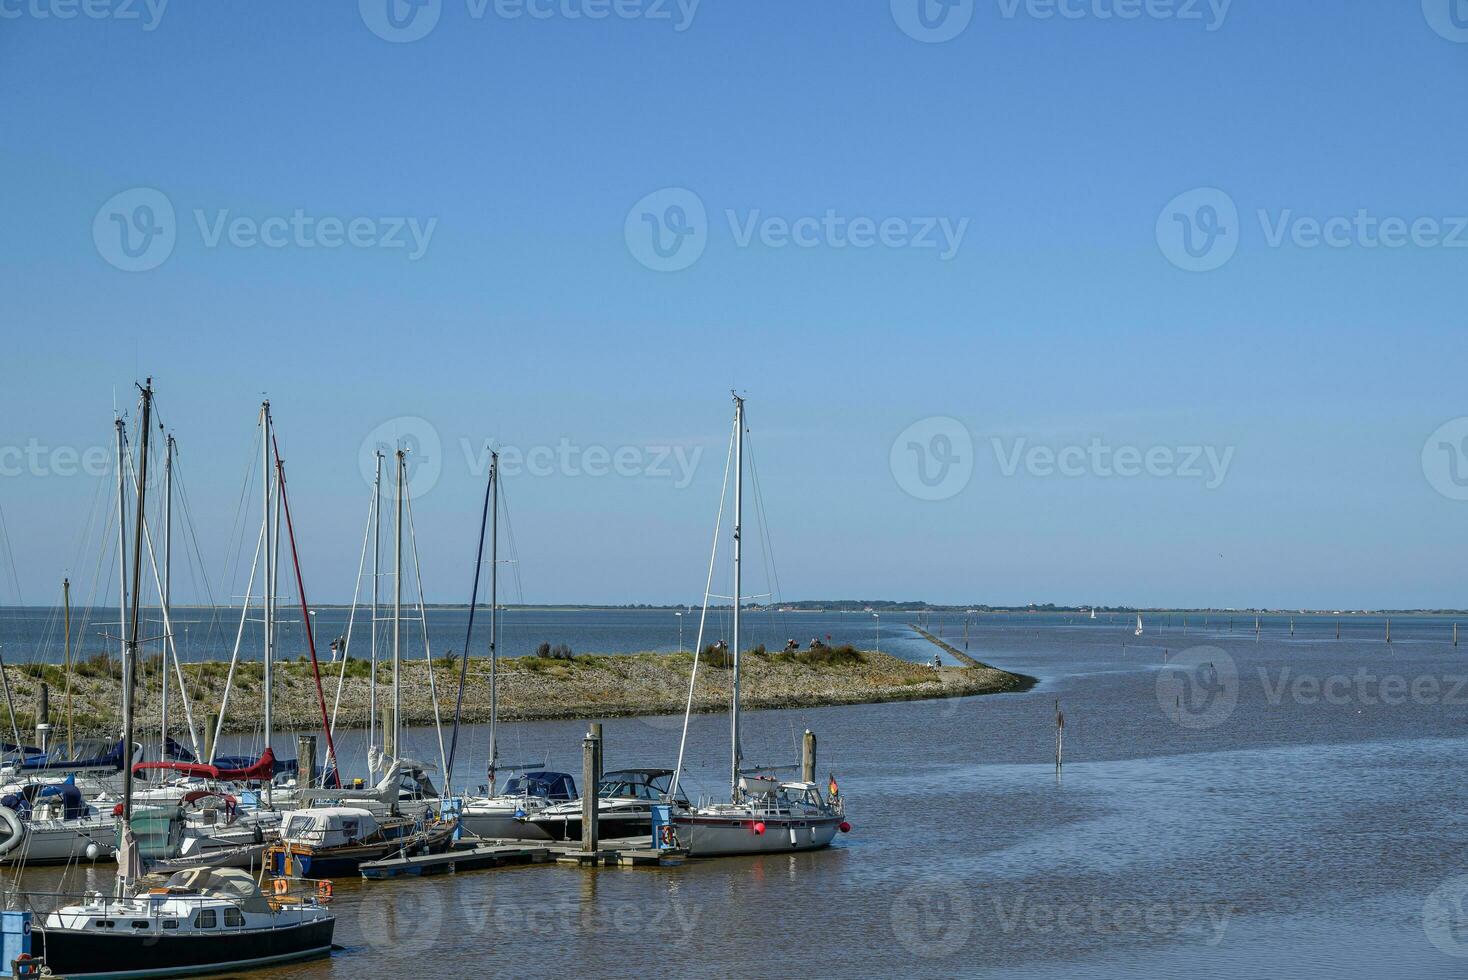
(202, 921)
(322, 841)
(624, 802)
(503, 816)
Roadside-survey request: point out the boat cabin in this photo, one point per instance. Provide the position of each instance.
(555, 786)
(329, 826)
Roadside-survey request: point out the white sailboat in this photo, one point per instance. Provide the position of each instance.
(764, 814)
(1139, 625)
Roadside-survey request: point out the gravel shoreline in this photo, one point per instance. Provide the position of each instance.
(529, 688)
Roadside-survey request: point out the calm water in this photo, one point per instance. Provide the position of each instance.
(1280, 807)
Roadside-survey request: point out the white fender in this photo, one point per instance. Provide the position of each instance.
(11, 830)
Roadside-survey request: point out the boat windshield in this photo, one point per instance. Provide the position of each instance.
(545, 785)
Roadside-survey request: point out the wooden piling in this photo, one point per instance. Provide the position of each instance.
(808, 757)
(595, 729)
(389, 750)
(43, 719)
(305, 761)
(590, 747)
(211, 724)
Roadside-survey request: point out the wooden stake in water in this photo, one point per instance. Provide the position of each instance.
(1292, 626)
(1059, 737)
(1337, 629)
(1455, 634)
(1388, 630)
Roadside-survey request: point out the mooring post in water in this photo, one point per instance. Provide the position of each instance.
(595, 729)
(1388, 630)
(211, 725)
(43, 720)
(389, 749)
(1455, 634)
(1059, 737)
(590, 746)
(808, 757)
(305, 760)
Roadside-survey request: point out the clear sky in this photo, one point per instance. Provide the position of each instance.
(1013, 242)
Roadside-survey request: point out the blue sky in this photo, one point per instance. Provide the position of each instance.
(1063, 153)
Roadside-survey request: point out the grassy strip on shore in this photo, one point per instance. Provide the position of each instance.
(530, 688)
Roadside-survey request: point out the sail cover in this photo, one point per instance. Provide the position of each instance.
(261, 771)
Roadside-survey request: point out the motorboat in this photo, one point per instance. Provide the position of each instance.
(328, 840)
(504, 815)
(624, 802)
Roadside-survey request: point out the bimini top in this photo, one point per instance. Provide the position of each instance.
(544, 784)
(231, 884)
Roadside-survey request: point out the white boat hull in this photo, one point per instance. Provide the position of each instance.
(65, 842)
(715, 836)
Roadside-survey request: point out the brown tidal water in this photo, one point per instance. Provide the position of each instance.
(1289, 807)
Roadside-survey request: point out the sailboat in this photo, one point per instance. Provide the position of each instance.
(200, 921)
(1138, 631)
(497, 813)
(1093, 612)
(764, 814)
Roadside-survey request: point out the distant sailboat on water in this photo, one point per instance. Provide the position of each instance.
(1139, 625)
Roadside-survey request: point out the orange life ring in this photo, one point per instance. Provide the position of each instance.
(323, 890)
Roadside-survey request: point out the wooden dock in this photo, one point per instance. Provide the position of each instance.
(477, 855)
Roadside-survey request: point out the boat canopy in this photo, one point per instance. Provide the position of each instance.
(231, 884)
(544, 784)
(261, 771)
(328, 826)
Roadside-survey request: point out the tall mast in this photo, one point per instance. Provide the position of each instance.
(268, 597)
(738, 548)
(66, 605)
(376, 556)
(397, 612)
(494, 604)
(130, 661)
(122, 541)
(167, 585)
